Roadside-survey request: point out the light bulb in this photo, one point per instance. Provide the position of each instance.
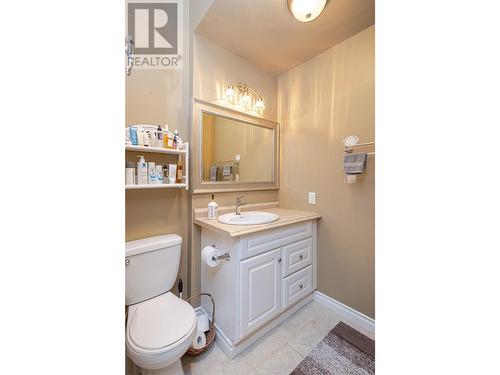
(306, 10)
(259, 106)
(229, 94)
(245, 100)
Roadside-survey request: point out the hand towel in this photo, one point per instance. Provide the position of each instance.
(354, 163)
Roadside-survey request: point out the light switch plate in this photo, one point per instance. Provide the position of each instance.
(312, 197)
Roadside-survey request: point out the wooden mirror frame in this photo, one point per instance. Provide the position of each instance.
(201, 186)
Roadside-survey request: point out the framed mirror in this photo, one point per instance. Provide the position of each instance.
(233, 151)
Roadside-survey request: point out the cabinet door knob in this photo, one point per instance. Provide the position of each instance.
(127, 261)
(279, 260)
(301, 256)
(300, 286)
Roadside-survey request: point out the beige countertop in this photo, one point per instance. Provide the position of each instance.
(287, 217)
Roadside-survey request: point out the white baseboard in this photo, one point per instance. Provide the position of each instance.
(348, 313)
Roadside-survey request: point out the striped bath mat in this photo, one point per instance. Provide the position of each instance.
(343, 351)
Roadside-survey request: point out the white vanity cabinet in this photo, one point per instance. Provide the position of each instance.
(270, 275)
(260, 290)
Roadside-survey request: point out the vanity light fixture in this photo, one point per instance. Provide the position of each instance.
(229, 93)
(245, 99)
(306, 10)
(259, 105)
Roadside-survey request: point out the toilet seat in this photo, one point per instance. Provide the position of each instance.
(160, 324)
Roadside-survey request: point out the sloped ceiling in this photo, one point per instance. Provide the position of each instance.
(266, 34)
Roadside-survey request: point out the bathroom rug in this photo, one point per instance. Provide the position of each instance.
(342, 351)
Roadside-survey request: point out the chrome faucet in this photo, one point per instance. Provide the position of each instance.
(239, 203)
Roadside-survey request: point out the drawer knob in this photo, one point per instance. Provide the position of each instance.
(300, 286)
(301, 256)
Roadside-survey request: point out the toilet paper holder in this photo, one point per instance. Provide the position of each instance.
(225, 256)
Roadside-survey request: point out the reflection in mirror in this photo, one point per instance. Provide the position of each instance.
(236, 151)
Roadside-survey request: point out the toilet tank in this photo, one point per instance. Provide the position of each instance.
(151, 266)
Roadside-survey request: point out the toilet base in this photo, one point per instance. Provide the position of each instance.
(174, 369)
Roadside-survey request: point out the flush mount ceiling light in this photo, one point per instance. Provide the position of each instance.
(245, 100)
(306, 10)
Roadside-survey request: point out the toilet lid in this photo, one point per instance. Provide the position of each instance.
(161, 321)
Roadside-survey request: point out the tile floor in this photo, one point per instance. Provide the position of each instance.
(278, 352)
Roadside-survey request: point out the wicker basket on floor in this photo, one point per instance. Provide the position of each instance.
(211, 331)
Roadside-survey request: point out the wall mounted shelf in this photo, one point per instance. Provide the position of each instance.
(152, 186)
(157, 150)
(184, 153)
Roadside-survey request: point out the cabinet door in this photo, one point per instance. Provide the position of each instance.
(260, 290)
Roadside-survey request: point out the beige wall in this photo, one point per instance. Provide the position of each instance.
(321, 102)
(213, 68)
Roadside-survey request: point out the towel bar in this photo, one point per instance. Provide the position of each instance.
(349, 149)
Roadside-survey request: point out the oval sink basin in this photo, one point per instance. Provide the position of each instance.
(248, 218)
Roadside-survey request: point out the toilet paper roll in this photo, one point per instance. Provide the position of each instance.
(199, 341)
(203, 322)
(208, 253)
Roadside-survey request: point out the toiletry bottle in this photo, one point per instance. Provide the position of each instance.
(129, 173)
(170, 141)
(133, 135)
(142, 171)
(149, 136)
(165, 174)
(128, 141)
(168, 138)
(212, 209)
(172, 173)
(176, 139)
(164, 135)
(159, 174)
(151, 173)
(140, 136)
(180, 167)
(159, 137)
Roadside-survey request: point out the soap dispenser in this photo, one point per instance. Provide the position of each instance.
(142, 171)
(212, 209)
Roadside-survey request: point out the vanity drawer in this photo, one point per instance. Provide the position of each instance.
(297, 256)
(261, 242)
(296, 287)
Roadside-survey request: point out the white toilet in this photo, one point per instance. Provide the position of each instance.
(160, 326)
